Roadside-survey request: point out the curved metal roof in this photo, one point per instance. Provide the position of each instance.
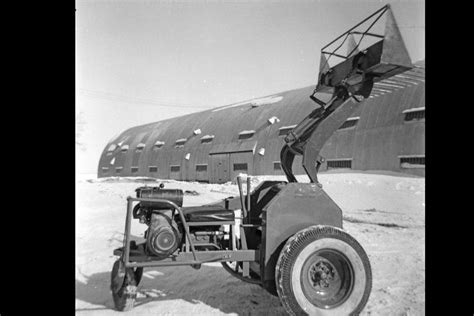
(226, 123)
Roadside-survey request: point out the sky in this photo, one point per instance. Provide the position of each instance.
(139, 62)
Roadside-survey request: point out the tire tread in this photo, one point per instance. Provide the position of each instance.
(291, 250)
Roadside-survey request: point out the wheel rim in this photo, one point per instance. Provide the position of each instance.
(327, 278)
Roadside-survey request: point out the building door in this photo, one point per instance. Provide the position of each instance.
(220, 171)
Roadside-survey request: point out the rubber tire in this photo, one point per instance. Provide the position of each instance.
(293, 256)
(124, 292)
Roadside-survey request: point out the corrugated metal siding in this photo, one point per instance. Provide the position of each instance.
(380, 136)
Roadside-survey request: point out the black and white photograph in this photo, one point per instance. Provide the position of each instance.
(257, 157)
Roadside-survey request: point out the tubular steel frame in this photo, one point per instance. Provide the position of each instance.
(184, 258)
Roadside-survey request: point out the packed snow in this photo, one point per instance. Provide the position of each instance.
(385, 213)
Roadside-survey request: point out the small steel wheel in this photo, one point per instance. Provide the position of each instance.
(124, 286)
(322, 270)
(138, 275)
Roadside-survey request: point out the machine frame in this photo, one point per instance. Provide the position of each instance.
(294, 238)
(139, 259)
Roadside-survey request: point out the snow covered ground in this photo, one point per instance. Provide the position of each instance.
(385, 213)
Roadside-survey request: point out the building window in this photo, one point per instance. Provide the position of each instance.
(246, 134)
(124, 148)
(175, 168)
(134, 169)
(415, 114)
(153, 169)
(207, 139)
(283, 131)
(118, 169)
(240, 167)
(105, 169)
(200, 168)
(409, 162)
(350, 122)
(158, 144)
(340, 164)
(276, 165)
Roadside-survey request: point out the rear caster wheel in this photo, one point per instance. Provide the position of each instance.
(124, 286)
(322, 270)
(138, 275)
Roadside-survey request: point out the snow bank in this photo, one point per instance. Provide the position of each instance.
(384, 213)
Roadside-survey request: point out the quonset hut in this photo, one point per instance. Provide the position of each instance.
(386, 133)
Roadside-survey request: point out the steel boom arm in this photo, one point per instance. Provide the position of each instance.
(354, 76)
(303, 140)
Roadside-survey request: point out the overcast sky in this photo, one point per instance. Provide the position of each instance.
(143, 61)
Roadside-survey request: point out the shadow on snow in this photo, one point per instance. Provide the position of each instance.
(210, 285)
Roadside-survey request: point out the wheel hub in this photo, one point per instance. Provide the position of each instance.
(326, 278)
(322, 274)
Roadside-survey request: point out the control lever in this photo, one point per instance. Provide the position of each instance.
(242, 202)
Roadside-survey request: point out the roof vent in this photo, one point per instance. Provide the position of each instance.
(159, 144)
(414, 114)
(207, 138)
(180, 143)
(283, 131)
(350, 122)
(246, 134)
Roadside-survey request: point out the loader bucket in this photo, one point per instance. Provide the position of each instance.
(375, 51)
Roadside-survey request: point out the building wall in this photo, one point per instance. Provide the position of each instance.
(378, 141)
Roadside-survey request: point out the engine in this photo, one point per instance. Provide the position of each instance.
(163, 235)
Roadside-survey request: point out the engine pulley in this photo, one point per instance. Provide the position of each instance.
(163, 236)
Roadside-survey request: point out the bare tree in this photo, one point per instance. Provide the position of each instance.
(80, 123)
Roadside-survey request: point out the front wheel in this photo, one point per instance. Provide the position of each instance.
(124, 286)
(322, 270)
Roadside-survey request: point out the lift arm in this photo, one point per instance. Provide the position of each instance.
(300, 140)
(348, 82)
